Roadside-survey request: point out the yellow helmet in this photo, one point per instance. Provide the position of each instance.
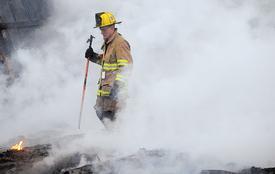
(105, 19)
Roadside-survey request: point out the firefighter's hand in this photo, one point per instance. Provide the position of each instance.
(91, 55)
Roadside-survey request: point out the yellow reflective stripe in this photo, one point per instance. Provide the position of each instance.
(110, 66)
(122, 64)
(103, 93)
(115, 66)
(120, 77)
(122, 61)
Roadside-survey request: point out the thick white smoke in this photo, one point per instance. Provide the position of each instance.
(202, 81)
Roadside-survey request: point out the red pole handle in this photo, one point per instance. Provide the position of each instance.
(83, 92)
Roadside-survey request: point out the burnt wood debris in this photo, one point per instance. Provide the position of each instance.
(156, 161)
(12, 161)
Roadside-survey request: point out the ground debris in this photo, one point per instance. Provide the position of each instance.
(154, 162)
(14, 161)
(29, 161)
(144, 161)
(252, 170)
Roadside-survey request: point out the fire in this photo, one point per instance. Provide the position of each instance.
(18, 146)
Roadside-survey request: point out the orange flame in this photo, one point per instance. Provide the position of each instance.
(18, 146)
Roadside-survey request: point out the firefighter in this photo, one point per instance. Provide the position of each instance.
(115, 62)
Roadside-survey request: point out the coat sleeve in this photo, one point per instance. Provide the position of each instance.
(124, 61)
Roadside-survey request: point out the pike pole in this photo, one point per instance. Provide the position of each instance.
(90, 40)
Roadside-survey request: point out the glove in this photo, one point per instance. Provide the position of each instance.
(91, 55)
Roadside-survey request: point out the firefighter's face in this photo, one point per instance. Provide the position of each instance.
(107, 31)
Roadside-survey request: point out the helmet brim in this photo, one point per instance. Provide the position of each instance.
(108, 25)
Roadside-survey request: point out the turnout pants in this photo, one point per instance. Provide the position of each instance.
(106, 108)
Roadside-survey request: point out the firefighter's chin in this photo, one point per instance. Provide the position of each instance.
(105, 37)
